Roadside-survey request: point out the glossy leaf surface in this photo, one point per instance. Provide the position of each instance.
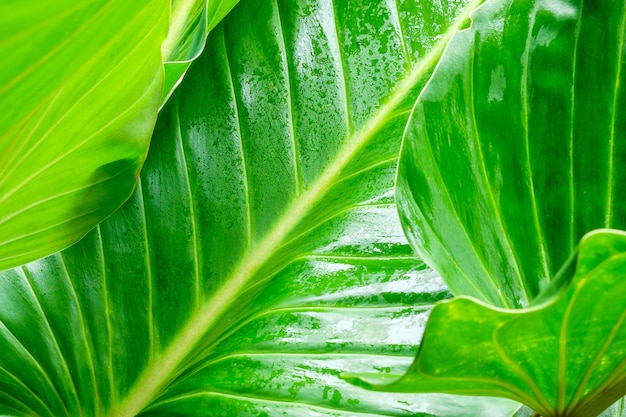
(261, 254)
(190, 23)
(514, 150)
(562, 357)
(80, 83)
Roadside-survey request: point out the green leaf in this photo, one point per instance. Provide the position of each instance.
(513, 151)
(579, 332)
(190, 23)
(79, 88)
(261, 254)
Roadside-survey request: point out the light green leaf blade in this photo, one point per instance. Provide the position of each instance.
(79, 88)
(512, 153)
(262, 227)
(580, 333)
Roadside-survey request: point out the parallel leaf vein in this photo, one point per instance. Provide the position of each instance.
(195, 238)
(159, 372)
(614, 116)
(67, 377)
(238, 132)
(290, 111)
(525, 106)
(86, 336)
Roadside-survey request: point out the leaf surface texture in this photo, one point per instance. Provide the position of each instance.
(260, 255)
(512, 152)
(579, 332)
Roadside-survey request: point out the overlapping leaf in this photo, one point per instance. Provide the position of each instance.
(563, 357)
(190, 23)
(79, 89)
(513, 151)
(261, 244)
(504, 166)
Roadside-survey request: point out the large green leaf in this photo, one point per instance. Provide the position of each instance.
(261, 254)
(513, 151)
(79, 88)
(565, 356)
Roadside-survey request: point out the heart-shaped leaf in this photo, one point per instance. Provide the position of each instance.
(565, 356)
(503, 167)
(513, 151)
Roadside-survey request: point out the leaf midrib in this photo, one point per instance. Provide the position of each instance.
(160, 371)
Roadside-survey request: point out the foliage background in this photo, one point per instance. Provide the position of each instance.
(260, 255)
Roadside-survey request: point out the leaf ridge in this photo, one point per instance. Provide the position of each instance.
(525, 123)
(107, 313)
(602, 351)
(496, 209)
(616, 375)
(282, 44)
(46, 200)
(55, 342)
(70, 151)
(267, 401)
(357, 258)
(85, 333)
(197, 253)
(34, 28)
(372, 166)
(66, 220)
(562, 346)
(395, 14)
(334, 215)
(27, 71)
(6, 164)
(335, 47)
(562, 368)
(25, 388)
(507, 389)
(477, 288)
(572, 178)
(152, 334)
(244, 162)
(611, 168)
(10, 335)
(299, 354)
(518, 369)
(441, 185)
